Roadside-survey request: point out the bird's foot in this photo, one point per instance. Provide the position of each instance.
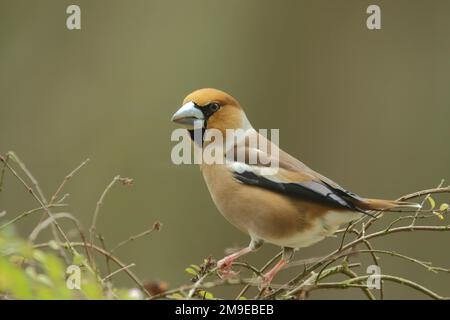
(224, 268)
(265, 281)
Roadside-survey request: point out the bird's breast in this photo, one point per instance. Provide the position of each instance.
(268, 215)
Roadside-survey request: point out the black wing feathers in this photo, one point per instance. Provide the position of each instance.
(315, 191)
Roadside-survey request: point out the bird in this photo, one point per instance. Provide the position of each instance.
(292, 206)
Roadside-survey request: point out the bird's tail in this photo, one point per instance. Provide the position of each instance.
(377, 204)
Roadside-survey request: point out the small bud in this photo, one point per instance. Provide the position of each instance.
(126, 181)
(157, 226)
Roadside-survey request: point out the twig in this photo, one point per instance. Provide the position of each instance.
(66, 179)
(312, 281)
(205, 285)
(27, 213)
(64, 197)
(260, 271)
(350, 273)
(350, 283)
(41, 203)
(2, 172)
(220, 282)
(199, 282)
(423, 202)
(117, 271)
(102, 241)
(417, 194)
(376, 262)
(156, 226)
(109, 255)
(99, 204)
(40, 193)
(318, 264)
(33, 180)
(49, 221)
(426, 265)
(424, 192)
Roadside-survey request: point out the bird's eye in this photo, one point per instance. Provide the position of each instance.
(214, 106)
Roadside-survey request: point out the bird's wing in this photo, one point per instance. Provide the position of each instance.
(291, 178)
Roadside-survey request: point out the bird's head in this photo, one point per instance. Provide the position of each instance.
(211, 109)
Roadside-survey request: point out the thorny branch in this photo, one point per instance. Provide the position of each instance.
(311, 278)
(52, 219)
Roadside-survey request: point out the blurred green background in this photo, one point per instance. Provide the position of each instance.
(369, 109)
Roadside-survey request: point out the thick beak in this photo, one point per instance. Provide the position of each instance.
(188, 115)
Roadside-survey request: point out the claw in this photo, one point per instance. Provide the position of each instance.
(224, 268)
(224, 265)
(227, 274)
(265, 281)
(267, 278)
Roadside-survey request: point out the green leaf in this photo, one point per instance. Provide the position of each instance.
(196, 267)
(191, 271)
(92, 290)
(432, 202)
(14, 280)
(438, 214)
(205, 294)
(39, 256)
(444, 207)
(78, 259)
(55, 269)
(176, 296)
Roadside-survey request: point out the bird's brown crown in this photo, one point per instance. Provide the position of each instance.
(205, 96)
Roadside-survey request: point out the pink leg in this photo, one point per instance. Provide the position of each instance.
(224, 265)
(268, 277)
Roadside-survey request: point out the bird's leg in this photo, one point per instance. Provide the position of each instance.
(267, 278)
(224, 265)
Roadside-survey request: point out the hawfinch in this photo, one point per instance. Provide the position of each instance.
(291, 206)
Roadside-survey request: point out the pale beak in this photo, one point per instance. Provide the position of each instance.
(189, 116)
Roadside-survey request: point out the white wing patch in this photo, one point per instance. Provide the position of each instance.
(265, 172)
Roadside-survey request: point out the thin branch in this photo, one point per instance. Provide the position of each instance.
(417, 194)
(205, 285)
(198, 283)
(426, 265)
(423, 202)
(350, 283)
(24, 168)
(2, 172)
(314, 278)
(41, 203)
(425, 192)
(40, 227)
(264, 268)
(99, 204)
(64, 197)
(324, 260)
(27, 213)
(112, 274)
(66, 179)
(102, 241)
(350, 273)
(155, 227)
(107, 254)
